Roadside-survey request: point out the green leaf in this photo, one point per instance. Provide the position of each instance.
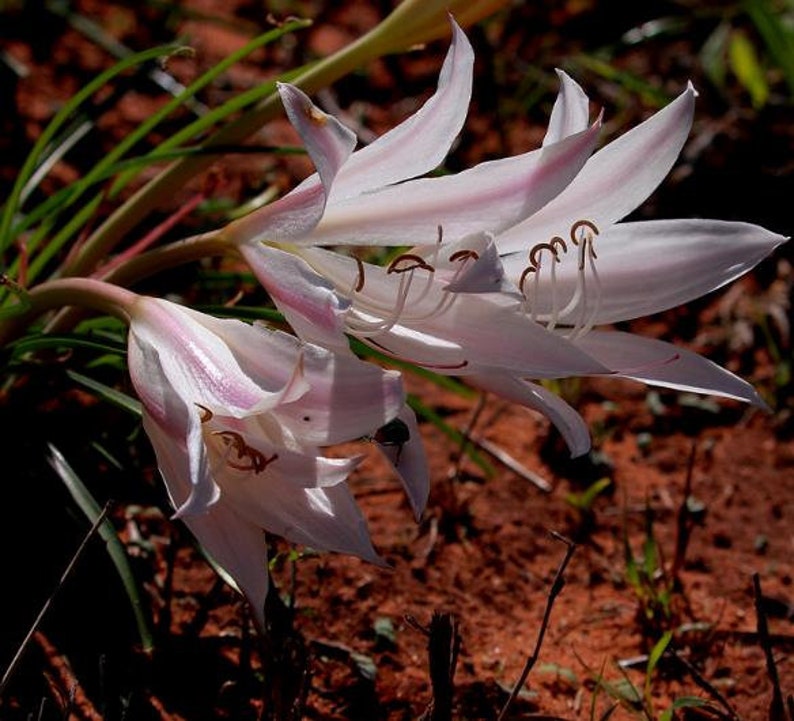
(452, 433)
(584, 500)
(44, 341)
(747, 68)
(714, 52)
(654, 657)
(778, 37)
(11, 206)
(92, 510)
(106, 393)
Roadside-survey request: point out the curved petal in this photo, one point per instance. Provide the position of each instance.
(489, 197)
(421, 142)
(192, 489)
(329, 144)
(237, 545)
(341, 398)
(571, 111)
(662, 364)
(567, 421)
(406, 454)
(325, 519)
(239, 548)
(650, 266)
(308, 301)
(187, 360)
(617, 179)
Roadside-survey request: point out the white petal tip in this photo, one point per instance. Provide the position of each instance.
(691, 88)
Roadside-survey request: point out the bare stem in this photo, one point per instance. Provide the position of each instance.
(556, 588)
(776, 706)
(75, 558)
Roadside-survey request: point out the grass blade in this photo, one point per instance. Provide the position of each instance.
(88, 505)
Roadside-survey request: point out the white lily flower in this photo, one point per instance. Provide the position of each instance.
(533, 256)
(236, 414)
(578, 267)
(373, 196)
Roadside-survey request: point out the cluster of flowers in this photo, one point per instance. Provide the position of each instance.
(514, 264)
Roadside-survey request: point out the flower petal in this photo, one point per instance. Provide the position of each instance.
(329, 144)
(650, 266)
(306, 299)
(325, 519)
(237, 545)
(196, 490)
(174, 354)
(489, 197)
(408, 458)
(567, 421)
(571, 111)
(617, 179)
(420, 143)
(342, 397)
(662, 364)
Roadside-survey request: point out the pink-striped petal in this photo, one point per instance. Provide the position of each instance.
(616, 180)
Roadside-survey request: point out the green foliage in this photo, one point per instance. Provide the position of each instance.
(648, 579)
(115, 548)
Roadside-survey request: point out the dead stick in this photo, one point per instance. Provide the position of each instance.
(701, 681)
(26, 642)
(556, 587)
(777, 709)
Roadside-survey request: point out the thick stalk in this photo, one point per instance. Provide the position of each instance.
(65, 292)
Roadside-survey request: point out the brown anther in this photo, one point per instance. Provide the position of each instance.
(464, 255)
(578, 225)
(529, 269)
(534, 260)
(256, 460)
(557, 241)
(360, 277)
(440, 235)
(413, 261)
(205, 413)
(315, 116)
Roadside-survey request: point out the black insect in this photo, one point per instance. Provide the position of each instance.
(394, 434)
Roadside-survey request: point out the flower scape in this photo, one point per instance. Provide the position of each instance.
(510, 277)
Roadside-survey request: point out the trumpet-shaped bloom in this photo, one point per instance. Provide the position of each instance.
(362, 197)
(237, 415)
(516, 260)
(577, 267)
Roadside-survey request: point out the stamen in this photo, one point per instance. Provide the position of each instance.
(431, 366)
(582, 235)
(398, 265)
(578, 225)
(205, 413)
(256, 460)
(534, 257)
(359, 284)
(529, 269)
(464, 255)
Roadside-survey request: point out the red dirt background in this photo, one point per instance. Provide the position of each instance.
(483, 550)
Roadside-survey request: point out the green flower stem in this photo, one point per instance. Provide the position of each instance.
(148, 264)
(409, 24)
(62, 292)
(133, 211)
